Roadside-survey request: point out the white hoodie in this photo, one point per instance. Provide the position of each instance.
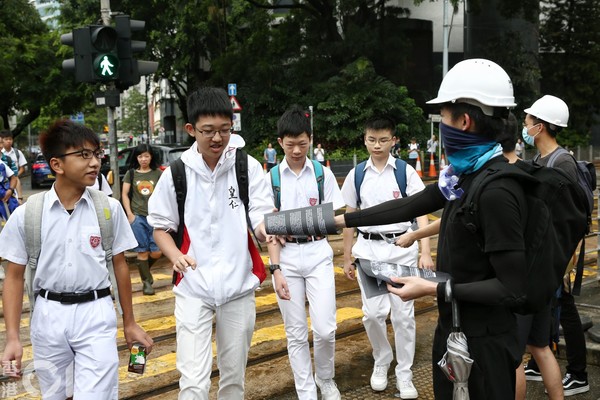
(216, 223)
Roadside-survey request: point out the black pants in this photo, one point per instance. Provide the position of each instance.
(574, 337)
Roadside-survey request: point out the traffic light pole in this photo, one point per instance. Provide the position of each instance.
(110, 116)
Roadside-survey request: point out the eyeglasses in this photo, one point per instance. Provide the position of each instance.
(86, 154)
(211, 134)
(382, 141)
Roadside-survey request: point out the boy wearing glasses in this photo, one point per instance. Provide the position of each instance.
(214, 266)
(73, 327)
(380, 185)
(303, 268)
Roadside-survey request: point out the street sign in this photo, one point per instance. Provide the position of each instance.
(237, 122)
(79, 118)
(235, 104)
(435, 118)
(232, 89)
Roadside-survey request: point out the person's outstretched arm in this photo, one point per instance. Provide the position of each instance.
(405, 209)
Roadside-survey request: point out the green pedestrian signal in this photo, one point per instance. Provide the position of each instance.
(106, 66)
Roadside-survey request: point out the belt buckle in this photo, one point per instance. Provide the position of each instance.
(63, 298)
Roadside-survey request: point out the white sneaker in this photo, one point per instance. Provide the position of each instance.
(407, 390)
(329, 390)
(379, 379)
(2, 276)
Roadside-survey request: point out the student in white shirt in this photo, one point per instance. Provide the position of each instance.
(74, 326)
(17, 158)
(380, 185)
(214, 269)
(303, 268)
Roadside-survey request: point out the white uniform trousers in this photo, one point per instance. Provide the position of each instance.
(308, 270)
(234, 327)
(376, 310)
(75, 349)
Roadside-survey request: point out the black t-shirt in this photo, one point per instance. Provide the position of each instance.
(465, 253)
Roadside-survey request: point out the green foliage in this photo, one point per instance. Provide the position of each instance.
(570, 45)
(134, 120)
(358, 94)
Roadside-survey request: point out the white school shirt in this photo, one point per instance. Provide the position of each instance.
(17, 156)
(301, 190)
(215, 220)
(71, 257)
(378, 187)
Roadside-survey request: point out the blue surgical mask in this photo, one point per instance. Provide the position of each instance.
(527, 138)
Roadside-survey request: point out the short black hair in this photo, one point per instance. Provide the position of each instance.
(381, 123)
(5, 133)
(552, 129)
(139, 149)
(208, 101)
(294, 122)
(64, 134)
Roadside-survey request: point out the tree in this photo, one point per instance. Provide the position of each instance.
(135, 119)
(570, 55)
(26, 64)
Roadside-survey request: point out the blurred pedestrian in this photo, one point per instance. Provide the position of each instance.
(413, 152)
(138, 185)
(270, 156)
(320, 154)
(19, 161)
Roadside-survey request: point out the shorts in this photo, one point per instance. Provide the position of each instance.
(534, 329)
(144, 234)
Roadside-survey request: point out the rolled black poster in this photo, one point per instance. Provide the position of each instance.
(308, 221)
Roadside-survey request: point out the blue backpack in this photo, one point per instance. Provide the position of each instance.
(399, 172)
(276, 182)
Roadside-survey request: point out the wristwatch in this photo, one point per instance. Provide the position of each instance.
(274, 267)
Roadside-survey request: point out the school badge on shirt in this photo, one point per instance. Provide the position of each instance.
(95, 241)
(396, 193)
(312, 201)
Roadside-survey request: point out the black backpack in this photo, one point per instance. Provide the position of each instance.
(557, 220)
(180, 183)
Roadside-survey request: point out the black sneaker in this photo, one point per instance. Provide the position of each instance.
(532, 374)
(572, 385)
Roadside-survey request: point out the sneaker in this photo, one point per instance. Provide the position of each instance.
(1, 273)
(532, 374)
(407, 390)
(379, 379)
(329, 390)
(572, 385)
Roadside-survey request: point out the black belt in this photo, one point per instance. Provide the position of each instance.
(74, 298)
(377, 236)
(306, 239)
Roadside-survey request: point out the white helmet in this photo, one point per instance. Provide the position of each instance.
(550, 109)
(479, 82)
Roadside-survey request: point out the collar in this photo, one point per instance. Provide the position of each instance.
(391, 161)
(53, 200)
(307, 165)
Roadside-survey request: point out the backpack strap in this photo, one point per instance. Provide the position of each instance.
(555, 155)
(276, 185)
(319, 175)
(180, 183)
(359, 177)
(276, 182)
(399, 174)
(33, 242)
(241, 174)
(104, 216)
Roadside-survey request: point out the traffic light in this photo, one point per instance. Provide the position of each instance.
(95, 56)
(130, 68)
(105, 58)
(81, 62)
